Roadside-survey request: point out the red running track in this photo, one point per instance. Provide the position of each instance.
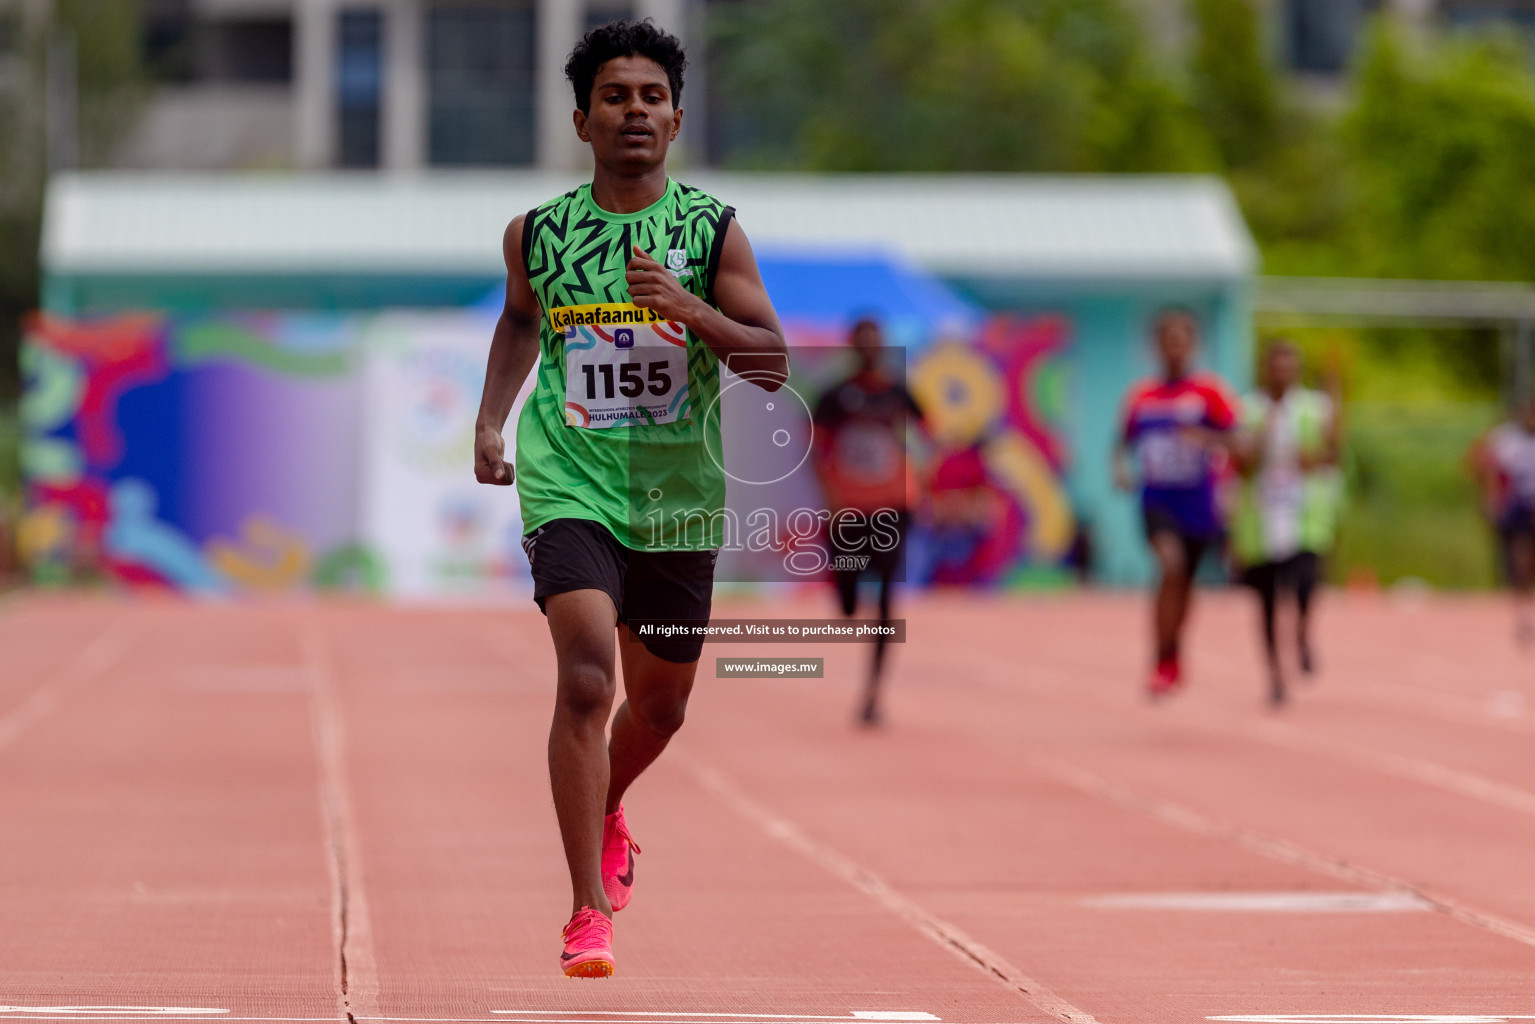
(308, 812)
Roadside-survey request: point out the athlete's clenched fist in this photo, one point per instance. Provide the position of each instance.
(490, 465)
(653, 287)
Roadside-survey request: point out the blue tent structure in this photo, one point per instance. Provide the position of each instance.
(833, 288)
(837, 287)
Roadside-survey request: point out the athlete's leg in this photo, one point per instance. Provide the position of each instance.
(1264, 579)
(847, 590)
(581, 623)
(1521, 562)
(655, 703)
(1305, 574)
(870, 713)
(886, 590)
(1171, 605)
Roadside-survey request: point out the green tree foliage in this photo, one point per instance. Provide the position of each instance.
(1282, 156)
(951, 85)
(107, 36)
(111, 88)
(1235, 88)
(1440, 144)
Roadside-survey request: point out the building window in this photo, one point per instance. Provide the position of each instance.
(166, 40)
(1320, 34)
(359, 74)
(1482, 12)
(246, 51)
(601, 12)
(481, 84)
(180, 47)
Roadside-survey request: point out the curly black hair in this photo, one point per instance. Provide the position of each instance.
(624, 39)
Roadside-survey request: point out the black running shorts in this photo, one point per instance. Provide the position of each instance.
(1158, 520)
(578, 554)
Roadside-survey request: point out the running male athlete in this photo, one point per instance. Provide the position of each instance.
(1287, 452)
(1504, 462)
(860, 457)
(611, 459)
(1178, 429)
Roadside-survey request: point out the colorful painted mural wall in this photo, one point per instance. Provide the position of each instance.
(260, 452)
(233, 453)
(996, 510)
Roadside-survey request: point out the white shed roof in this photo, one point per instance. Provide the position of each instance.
(1155, 227)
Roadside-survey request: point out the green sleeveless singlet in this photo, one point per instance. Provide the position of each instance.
(617, 429)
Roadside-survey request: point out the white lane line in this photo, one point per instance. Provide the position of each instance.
(1383, 1018)
(882, 1015)
(1279, 849)
(854, 1015)
(387, 1020)
(91, 661)
(872, 885)
(1297, 740)
(1402, 766)
(1504, 704)
(1265, 902)
(357, 967)
(653, 1017)
(119, 1011)
(247, 679)
(1478, 711)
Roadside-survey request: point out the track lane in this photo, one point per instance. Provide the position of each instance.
(160, 845)
(1021, 782)
(968, 714)
(467, 883)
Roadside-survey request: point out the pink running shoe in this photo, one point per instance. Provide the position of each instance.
(618, 850)
(588, 945)
(1166, 678)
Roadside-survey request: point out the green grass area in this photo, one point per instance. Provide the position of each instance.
(10, 441)
(1413, 509)
(10, 490)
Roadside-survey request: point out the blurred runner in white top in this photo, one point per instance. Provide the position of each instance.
(1287, 451)
(1504, 461)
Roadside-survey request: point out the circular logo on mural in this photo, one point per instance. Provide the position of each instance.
(435, 399)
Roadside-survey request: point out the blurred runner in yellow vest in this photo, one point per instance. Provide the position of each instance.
(1287, 509)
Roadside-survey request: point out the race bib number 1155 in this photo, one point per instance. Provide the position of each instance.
(624, 367)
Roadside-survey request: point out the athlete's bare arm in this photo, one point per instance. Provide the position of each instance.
(1247, 446)
(1485, 471)
(513, 351)
(1124, 476)
(743, 332)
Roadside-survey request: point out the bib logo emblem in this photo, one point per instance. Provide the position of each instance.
(676, 259)
(623, 338)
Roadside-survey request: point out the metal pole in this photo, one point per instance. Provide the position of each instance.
(1525, 358)
(314, 83)
(404, 116)
(1506, 345)
(63, 102)
(559, 27)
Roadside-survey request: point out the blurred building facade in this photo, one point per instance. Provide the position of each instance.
(1319, 37)
(408, 85)
(400, 85)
